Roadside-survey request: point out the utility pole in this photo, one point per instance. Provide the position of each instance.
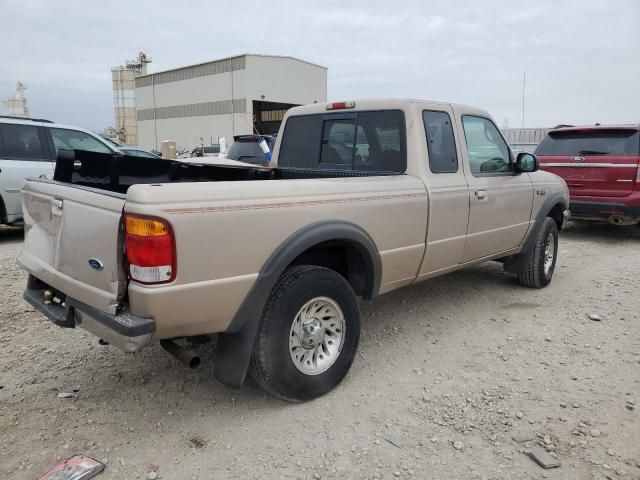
(524, 83)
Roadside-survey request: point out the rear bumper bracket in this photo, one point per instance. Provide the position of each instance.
(124, 330)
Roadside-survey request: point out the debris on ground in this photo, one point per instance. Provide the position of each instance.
(394, 440)
(78, 467)
(69, 393)
(523, 437)
(542, 458)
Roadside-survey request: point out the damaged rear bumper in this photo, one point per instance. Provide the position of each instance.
(123, 330)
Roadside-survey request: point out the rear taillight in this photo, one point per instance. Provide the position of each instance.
(151, 251)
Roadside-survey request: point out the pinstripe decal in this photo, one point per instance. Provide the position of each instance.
(590, 165)
(260, 206)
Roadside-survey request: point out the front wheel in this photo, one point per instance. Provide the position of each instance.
(541, 260)
(308, 335)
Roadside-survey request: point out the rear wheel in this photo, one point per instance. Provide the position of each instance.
(541, 260)
(308, 335)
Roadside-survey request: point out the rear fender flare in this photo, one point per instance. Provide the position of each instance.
(235, 346)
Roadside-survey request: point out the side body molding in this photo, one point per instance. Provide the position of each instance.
(235, 346)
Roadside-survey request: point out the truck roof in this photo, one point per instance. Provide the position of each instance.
(581, 128)
(375, 104)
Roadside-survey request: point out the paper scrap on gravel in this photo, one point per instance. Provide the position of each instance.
(78, 467)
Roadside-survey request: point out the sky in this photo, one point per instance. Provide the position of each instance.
(581, 57)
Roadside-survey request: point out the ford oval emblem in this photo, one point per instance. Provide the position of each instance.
(96, 264)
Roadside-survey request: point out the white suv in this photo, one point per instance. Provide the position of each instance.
(28, 148)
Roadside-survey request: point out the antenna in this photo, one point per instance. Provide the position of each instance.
(524, 84)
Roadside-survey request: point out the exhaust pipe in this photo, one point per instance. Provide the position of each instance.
(185, 356)
(622, 221)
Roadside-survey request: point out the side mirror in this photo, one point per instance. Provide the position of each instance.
(526, 163)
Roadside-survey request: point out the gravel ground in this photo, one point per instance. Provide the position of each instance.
(448, 372)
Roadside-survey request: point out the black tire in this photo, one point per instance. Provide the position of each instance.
(271, 363)
(534, 274)
(3, 212)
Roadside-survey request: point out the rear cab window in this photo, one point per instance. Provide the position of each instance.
(242, 149)
(248, 148)
(622, 142)
(369, 141)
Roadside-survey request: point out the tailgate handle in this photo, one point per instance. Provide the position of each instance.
(56, 207)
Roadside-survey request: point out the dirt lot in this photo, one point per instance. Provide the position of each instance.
(449, 370)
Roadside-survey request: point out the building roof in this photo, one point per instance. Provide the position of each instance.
(231, 58)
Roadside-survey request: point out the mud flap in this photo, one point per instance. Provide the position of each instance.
(233, 353)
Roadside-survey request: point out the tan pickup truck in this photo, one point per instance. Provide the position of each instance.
(362, 198)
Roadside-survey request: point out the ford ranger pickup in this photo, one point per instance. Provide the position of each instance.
(362, 198)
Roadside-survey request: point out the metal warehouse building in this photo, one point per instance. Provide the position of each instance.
(223, 98)
(525, 139)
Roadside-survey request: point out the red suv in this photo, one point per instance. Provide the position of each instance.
(600, 165)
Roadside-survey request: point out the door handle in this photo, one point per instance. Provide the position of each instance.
(481, 194)
(56, 207)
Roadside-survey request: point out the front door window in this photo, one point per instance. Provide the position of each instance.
(488, 152)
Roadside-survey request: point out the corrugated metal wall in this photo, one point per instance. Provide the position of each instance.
(195, 71)
(222, 107)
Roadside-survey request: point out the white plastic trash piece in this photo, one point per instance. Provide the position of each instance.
(265, 148)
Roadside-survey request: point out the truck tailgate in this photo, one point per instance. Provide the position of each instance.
(72, 241)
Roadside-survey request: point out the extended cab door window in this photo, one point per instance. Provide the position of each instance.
(441, 144)
(373, 141)
(488, 152)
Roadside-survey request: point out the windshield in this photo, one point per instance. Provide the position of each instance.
(594, 142)
(112, 142)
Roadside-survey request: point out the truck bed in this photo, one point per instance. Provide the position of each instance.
(117, 173)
